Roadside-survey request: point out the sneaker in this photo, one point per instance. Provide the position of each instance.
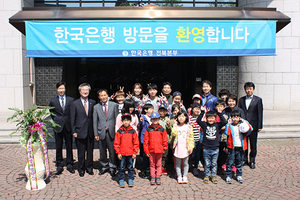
(184, 180)
(179, 179)
(121, 184)
(206, 179)
(130, 182)
(195, 172)
(239, 179)
(200, 164)
(164, 171)
(158, 181)
(228, 180)
(152, 182)
(214, 180)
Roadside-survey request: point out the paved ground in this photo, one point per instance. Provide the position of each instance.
(277, 176)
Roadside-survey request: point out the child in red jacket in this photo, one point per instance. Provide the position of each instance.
(155, 143)
(126, 146)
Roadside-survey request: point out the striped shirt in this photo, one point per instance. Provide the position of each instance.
(196, 128)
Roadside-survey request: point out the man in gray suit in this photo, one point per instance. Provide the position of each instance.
(105, 114)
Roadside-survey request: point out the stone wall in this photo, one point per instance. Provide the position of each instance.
(277, 78)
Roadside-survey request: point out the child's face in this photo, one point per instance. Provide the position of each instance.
(162, 112)
(120, 99)
(196, 111)
(152, 92)
(220, 108)
(211, 119)
(175, 111)
(155, 121)
(131, 109)
(177, 99)
(149, 111)
(126, 122)
(224, 97)
(235, 119)
(181, 119)
(196, 100)
(137, 90)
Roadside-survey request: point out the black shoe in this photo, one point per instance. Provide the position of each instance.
(103, 171)
(112, 172)
(90, 172)
(71, 170)
(252, 165)
(59, 170)
(81, 174)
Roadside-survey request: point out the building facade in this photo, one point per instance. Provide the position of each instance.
(277, 78)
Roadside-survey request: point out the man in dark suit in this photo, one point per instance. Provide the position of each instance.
(81, 112)
(61, 104)
(105, 114)
(253, 107)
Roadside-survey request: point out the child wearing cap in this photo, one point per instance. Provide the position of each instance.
(126, 146)
(155, 144)
(237, 130)
(164, 122)
(177, 100)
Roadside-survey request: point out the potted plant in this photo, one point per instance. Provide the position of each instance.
(33, 126)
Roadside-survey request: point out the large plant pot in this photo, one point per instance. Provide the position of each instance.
(40, 168)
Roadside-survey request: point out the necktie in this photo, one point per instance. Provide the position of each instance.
(105, 109)
(63, 104)
(86, 108)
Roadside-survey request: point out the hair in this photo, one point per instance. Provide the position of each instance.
(199, 99)
(60, 83)
(211, 113)
(175, 106)
(126, 117)
(167, 83)
(185, 114)
(208, 82)
(84, 84)
(231, 96)
(128, 103)
(249, 84)
(140, 85)
(220, 102)
(224, 92)
(119, 93)
(101, 90)
(146, 107)
(235, 113)
(152, 86)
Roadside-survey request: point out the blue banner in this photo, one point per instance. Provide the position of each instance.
(150, 38)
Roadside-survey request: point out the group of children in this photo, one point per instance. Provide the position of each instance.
(166, 133)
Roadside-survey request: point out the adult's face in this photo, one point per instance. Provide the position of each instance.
(137, 90)
(231, 103)
(206, 88)
(61, 90)
(103, 96)
(167, 90)
(84, 92)
(249, 91)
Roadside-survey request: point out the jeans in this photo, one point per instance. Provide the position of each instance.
(126, 160)
(155, 161)
(195, 156)
(235, 155)
(210, 160)
(185, 166)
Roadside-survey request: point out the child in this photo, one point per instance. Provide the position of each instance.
(220, 104)
(210, 143)
(177, 100)
(164, 122)
(142, 126)
(183, 144)
(137, 95)
(126, 145)
(237, 131)
(196, 99)
(155, 144)
(128, 108)
(119, 96)
(223, 94)
(151, 98)
(195, 156)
